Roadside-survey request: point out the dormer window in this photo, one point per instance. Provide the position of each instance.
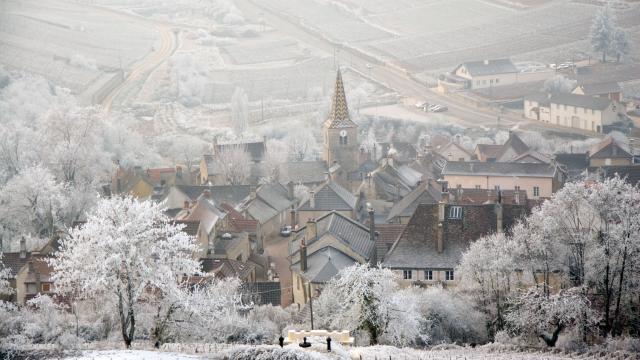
(455, 212)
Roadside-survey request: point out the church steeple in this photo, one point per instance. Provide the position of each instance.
(339, 116)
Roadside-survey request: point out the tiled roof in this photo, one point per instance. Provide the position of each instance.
(226, 268)
(629, 172)
(191, 226)
(324, 264)
(582, 101)
(349, 232)
(482, 196)
(604, 149)
(339, 116)
(506, 169)
(425, 193)
(489, 150)
(256, 149)
(573, 162)
(13, 262)
(330, 196)
(600, 88)
(238, 221)
(387, 235)
(490, 67)
(232, 194)
(513, 143)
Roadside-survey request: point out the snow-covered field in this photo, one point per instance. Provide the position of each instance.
(293, 353)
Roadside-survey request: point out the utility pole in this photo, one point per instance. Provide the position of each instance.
(310, 303)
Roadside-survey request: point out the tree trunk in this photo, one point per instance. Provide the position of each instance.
(551, 341)
(607, 290)
(616, 316)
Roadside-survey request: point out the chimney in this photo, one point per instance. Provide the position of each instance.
(186, 205)
(290, 192)
(458, 194)
(292, 212)
(312, 199)
(498, 217)
(253, 193)
(303, 256)
(372, 234)
(23, 248)
(516, 197)
(312, 229)
(207, 194)
(440, 235)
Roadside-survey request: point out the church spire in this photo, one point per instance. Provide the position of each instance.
(339, 115)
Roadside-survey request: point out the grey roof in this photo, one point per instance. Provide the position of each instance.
(271, 200)
(600, 88)
(255, 149)
(349, 232)
(423, 194)
(499, 169)
(324, 264)
(582, 101)
(330, 196)
(490, 67)
(513, 143)
(631, 173)
(575, 162)
(232, 194)
(304, 172)
(539, 97)
(418, 249)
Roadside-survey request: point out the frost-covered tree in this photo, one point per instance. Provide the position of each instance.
(365, 298)
(621, 44)
(276, 154)
(559, 84)
(5, 274)
(33, 202)
(126, 251)
(234, 163)
(239, 112)
(602, 31)
(535, 314)
(486, 271)
(302, 145)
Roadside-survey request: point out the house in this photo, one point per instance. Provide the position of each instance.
(609, 152)
(404, 152)
(574, 164)
(570, 110)
(149, 183)
(433, 241)
(487, 152)
(229, 194)
(228, 268)
(609, 90)
(270, 206)
(390, 182)
(203, 211)
(33, 278)
(14, 261)
(427, 192)
(512, 149)
(486, 73)
(322, 248)
(538, 180)
(453, 151)
(329, 196)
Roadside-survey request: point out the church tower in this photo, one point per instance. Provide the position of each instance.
(340, 132)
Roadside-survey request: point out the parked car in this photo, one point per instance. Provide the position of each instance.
(285, 231)
(437, 108)
(422, 104)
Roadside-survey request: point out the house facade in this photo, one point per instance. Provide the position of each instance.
(487, 73)
(573, 111)
(609, 152)
(538, 180)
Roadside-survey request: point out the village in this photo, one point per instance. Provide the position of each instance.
(223, 199)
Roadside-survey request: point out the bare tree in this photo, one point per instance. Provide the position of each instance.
(234, 163)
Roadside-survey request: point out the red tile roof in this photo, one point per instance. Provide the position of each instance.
(239, 222)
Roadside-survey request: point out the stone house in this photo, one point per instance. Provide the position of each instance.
(327, 197)
(609, 152)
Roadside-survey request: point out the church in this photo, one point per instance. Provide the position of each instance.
(341, 149)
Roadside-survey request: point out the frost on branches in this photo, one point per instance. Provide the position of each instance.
(127, 252)
(5, 274)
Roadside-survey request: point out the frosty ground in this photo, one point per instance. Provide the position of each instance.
(292, 352)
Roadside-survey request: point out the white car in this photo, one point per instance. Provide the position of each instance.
(422, 104)
(285, 231)
(437, 108)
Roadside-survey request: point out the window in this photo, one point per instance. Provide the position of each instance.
(536, 191)
(448, 275)
(496, 188)
(343, 140)
(46, 288)
(407, 274)
(455, 212)
(517, 188)
(428, 275)
(491, 81)
(31, 288)
(478, 187)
